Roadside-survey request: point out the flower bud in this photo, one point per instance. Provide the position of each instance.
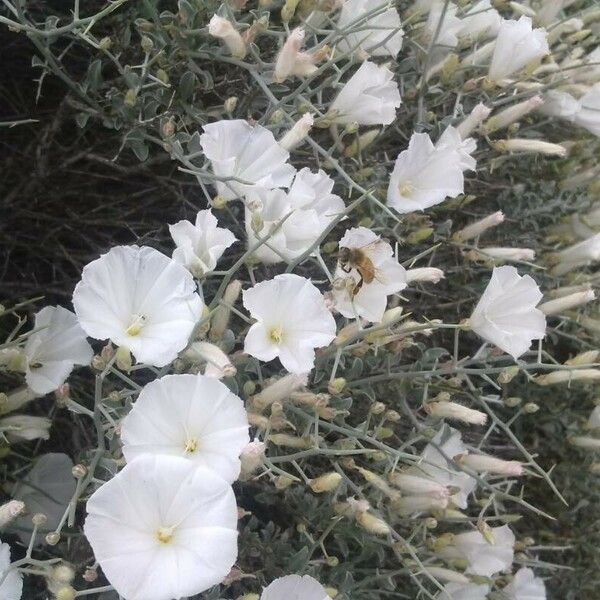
(325, 483)
(530, 146)
(511, 114)
(452, 410)
(218, 364)
(90, 575)
(123, 360)
(10, 511)
(442, 574)
(496, 254)
(508, 374)
(66, 593)
(585, 442)
(298, 133)
(223, 29)
(430, 274)
(290, 441)
(251, 458)
(567, 375)
(230, 104)
(584, 358)
(419, 486)
(361, 142)
(52, 538)
(283, 482)
(372, 524)
(79, 471)
(483, 463)
(559, 305)
(408, 505)
(220, 319)
(281, 389)
(336, 386)
(39, 519)
(477, 116)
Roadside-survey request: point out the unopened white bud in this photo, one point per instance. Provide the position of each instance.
(251, 458)
(373, 524)
(10, 511)
(442, 574)
(585, 442)
(567, 376)
(325, 483)
(223, 29)
(512, 114)
(530, 146)
(477, 116)
(290, 60)
(221, 316)
(218, 364)
(280, 390)
(489, 464)
(420, 486)
(430, 274)
(409, 505)
(452, 410)
(505, 254)
(297, 134)
(553, 307)
(478, 227)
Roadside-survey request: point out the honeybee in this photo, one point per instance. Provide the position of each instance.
(358, 258)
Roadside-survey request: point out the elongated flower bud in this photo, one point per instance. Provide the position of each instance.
(442, 574)
(297, 134)
(279, 390)
(419, 486)
(251, 458)
(530, 146)
(17, 399)
(568, 290)
(10, 511)
(221, 316)
(286, 59)
(361, 142)
(568, 375)
(478, 227)
(553, 307)
(477, 116)
(484, 463)
(424, 274)
(585, 442)
(325, 483)
(452, 410)
(584, 358)
(290, 441)
(373, 524)
(223, 29)
(512, 114)
(502, 254)
(217, 362)
(378, 482)
(408, 505)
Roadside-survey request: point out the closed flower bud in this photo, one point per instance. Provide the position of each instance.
(499, 255)
(559, 305)
(585, 442)
(377, 482)
(373, 524)
(508, 374)
(90, 575)
(530, 146)
(475, 229)
(567, 375)
(283, 482)
(477, 116)
(298, 133)
(66, 593)
(10, 511)
(336, 386)
(483, 463)
(39, 519)
(361, 142)
(419, 486)
(221, 316)
(325, 483)
(430, 274)
(442, 574)
(217, 362)
(223, 29)
(584, 358)
(124, 360)
(251, 458)
(52, 538)
(409, 505)
(290, 441)
(452, 410)
(281, 389)
(511, 114)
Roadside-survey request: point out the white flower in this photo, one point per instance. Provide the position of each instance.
(517, 45)
(200, 245)
(12, 586)
(212, 434)
(588, 115)
(25, 427)
(139, 299)
(364, 290)
(370, 97)
(312, 206)
(559, 104)
(378, 35)
(481, 21)
(436, 463)
(56, 345)
(525, 586)
(506, 314)
(485, 556)
(246, 153)
(47, 489)
(295, 587)
(163, 528)
(425, 175)
(463, 591)
(451, 25)
(292, 320)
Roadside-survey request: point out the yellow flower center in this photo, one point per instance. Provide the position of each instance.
(276, 335)
(165, 534)
(191, 446)
(136, 325)
(406, 189)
